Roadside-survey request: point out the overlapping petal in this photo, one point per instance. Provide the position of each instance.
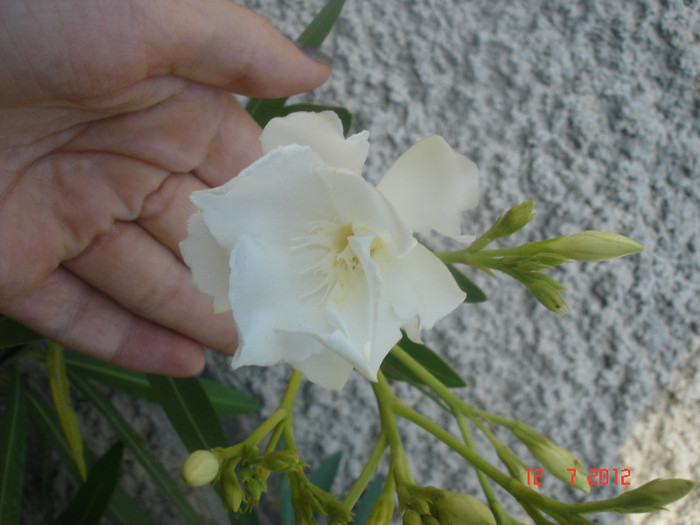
(323, 132)
(431, 185)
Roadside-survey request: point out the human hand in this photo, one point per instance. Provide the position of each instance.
(113, 112)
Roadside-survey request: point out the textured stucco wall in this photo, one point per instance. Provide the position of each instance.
(592, 109)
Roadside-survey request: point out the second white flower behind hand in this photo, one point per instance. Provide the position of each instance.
(319, 267)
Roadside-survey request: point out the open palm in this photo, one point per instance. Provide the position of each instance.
(112, 113)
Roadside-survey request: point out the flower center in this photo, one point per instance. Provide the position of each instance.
(336, 265)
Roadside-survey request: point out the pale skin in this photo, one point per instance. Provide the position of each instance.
(112, 112)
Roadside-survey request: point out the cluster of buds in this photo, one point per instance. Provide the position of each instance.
(433, 506)
(525, 263)
(307, 499)
(241, 472)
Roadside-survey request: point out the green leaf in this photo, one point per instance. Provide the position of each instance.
(474, 293)
(325, 473)
(13, 439)
(122, 510)
(343, 113)
(12, 333)
(317, 31)
(394, 369)
(226, 400)
(264, 110)
(92, 499)
(368, 499)
(150, 463)
(285, 498)
(60, 389)
(189, 410)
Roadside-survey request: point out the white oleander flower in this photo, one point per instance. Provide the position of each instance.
(320, 267)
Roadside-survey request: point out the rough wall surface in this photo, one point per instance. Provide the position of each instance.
(591, 108)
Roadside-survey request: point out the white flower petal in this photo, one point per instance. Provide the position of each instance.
(326, 369)
(430, 185)
(323, 132)
(421, 278)
(357, 202)
(208, 262)
(277, 197)
(271, 316)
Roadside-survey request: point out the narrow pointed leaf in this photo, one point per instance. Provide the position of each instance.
(285, 498)
(12, 333)
(226, 400)
(150, 463)
(474, 293)
(395, 370)
(190, 411)
(325, 473)
(60, 389)
(368, 499)
(263, 110)
(13, 439)
(122, 510)
(92, 499)
(317, 31)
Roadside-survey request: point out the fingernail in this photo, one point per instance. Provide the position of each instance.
(314, 54)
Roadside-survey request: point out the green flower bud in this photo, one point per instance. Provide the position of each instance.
(232, 494)
(462, 509)
(516, 468)
(200, 468)
(382, 512)
(411, 517)
(592, 246)
(653, 495)
(514, 219)
(429, 520)
(281, 461)
(549, 296)
(558, 461)
(255, 481)
(535, 263)
(419, 503)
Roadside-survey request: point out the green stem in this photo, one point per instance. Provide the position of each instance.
(483, 479)
(513, 486)
(366, 475)
(386, 400)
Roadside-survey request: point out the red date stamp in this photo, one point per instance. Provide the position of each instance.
(602, 476)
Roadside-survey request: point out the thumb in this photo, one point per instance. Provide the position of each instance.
(223, 44)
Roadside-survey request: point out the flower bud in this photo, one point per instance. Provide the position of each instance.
(419, 503)
(411, 517)
(382, 511)
(514, 219)
(516, 468)
(558, 461)
(592, 246)
(231, 492)
(549, 296)
(653, 495)
(281, 460)
(462, 509)
(200, 468)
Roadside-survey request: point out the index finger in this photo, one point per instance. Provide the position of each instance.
(223, 44)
